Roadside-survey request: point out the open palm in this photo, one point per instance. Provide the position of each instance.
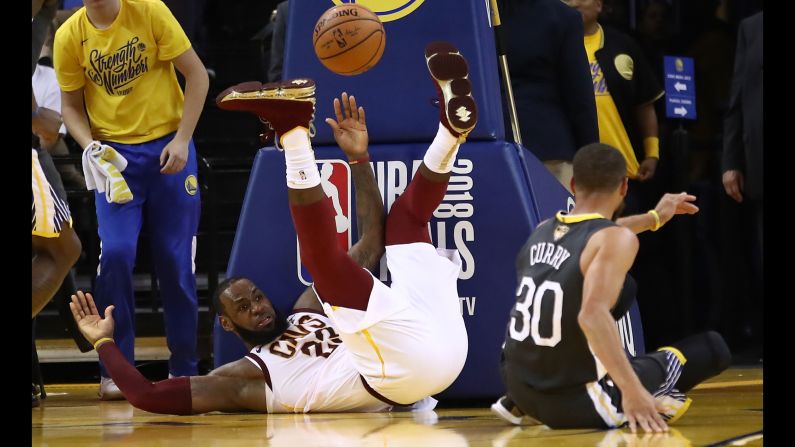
(350, 128)
(90, 323)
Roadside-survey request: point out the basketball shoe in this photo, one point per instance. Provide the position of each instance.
(450, 73)
(280, 106)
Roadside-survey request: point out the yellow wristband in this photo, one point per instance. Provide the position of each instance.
(651, 147)
(101, 341)
(657, 222)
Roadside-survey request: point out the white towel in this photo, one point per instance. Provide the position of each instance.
(102, 167)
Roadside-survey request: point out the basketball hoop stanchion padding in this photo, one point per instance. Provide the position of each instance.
(398, 91)
(498, 191)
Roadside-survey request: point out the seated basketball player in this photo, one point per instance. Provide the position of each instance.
(351, 344)
(563, 363)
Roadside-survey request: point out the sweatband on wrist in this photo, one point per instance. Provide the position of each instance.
(365, 159)
(657, 221)
(651, 147)
(101, 341)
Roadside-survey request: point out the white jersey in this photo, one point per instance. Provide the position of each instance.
(410, 343)
(311, 370)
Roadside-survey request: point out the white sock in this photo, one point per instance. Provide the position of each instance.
(302, 170)
(440, 156)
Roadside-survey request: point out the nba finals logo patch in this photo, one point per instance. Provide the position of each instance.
(335, 179)
(191, 185)
(560, 231)
(387, 10)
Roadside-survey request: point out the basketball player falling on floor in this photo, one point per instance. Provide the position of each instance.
(352, 344)
(562, 361)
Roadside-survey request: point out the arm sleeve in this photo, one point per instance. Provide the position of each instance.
(171, 396)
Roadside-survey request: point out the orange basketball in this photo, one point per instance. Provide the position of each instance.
(349, 39)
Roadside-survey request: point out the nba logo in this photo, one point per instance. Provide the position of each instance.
(335, 178)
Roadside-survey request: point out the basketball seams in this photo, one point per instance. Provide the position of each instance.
(364, 39)
(366, 64)
(331, 27)
(342, 49)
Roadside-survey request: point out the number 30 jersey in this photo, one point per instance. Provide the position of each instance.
(309, 369)
(544, 344)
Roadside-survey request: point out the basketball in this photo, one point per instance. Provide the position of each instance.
(349, 39)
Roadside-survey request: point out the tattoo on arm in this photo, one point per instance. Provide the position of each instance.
(369, 216)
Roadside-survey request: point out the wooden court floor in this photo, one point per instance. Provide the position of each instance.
(725, 411)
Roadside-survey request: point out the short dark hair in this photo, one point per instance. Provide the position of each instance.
(599, 168)
(222, 287)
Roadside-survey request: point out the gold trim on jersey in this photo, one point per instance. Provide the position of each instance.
(575, 218)
(603, 405)
(652, 101)
(377, 351)
(42, 195)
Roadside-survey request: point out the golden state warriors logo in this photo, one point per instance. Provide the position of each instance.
(625, 66)
(387, 10)
(191, 185)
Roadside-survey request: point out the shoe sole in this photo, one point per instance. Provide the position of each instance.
(450, 71)
(504, 414)
(292, 90)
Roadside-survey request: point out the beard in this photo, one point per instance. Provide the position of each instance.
(265, 335)
(617, 213)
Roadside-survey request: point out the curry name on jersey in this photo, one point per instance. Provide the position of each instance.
(544, 343)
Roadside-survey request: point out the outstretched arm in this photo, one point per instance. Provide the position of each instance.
(180, 395)
(350, 131)
(607, 257)
(668, 206)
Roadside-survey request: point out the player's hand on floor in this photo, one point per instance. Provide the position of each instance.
(90, 323)
(640, 408)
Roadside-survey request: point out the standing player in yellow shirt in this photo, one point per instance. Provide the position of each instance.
(625, 90)
(115, 63)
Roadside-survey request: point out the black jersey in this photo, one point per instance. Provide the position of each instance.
(544, 344)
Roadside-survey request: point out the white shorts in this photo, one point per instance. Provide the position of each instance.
(411, 342)
(49, 211)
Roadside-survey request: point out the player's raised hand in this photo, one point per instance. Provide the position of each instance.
(673, 204)
(90, 323)
(350, 127)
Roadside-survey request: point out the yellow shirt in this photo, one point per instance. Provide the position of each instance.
(130, 87)
(611, 128)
